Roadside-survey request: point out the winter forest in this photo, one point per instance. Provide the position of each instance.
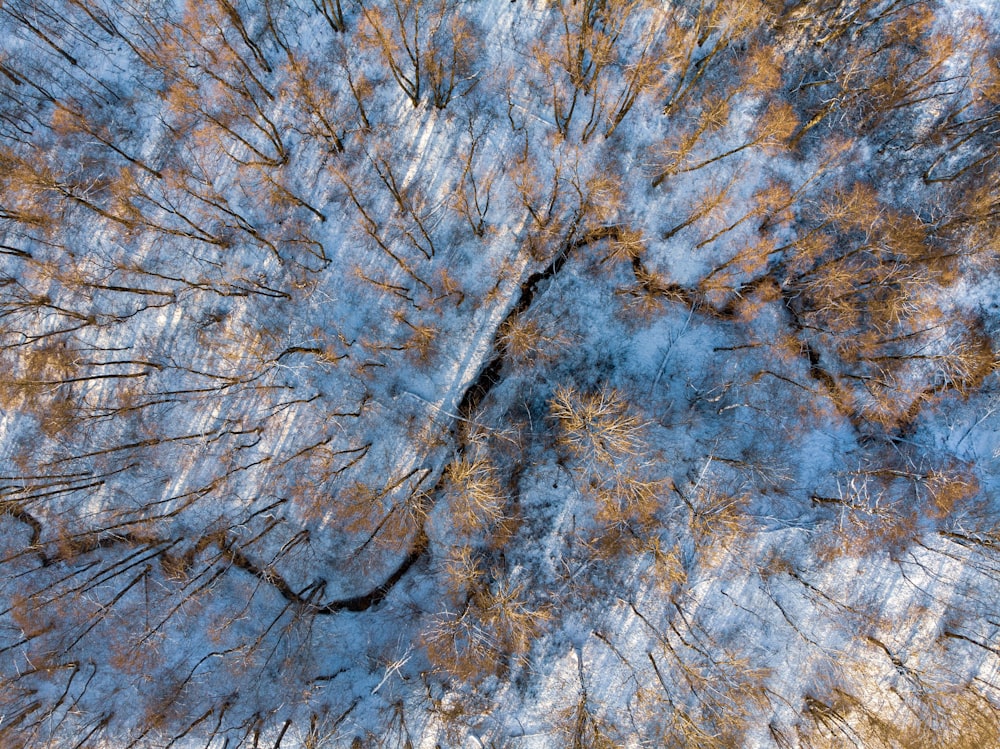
(495, 373)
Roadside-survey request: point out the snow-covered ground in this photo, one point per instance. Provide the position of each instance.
(593, 374)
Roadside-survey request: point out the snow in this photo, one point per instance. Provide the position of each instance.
(289, 441)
